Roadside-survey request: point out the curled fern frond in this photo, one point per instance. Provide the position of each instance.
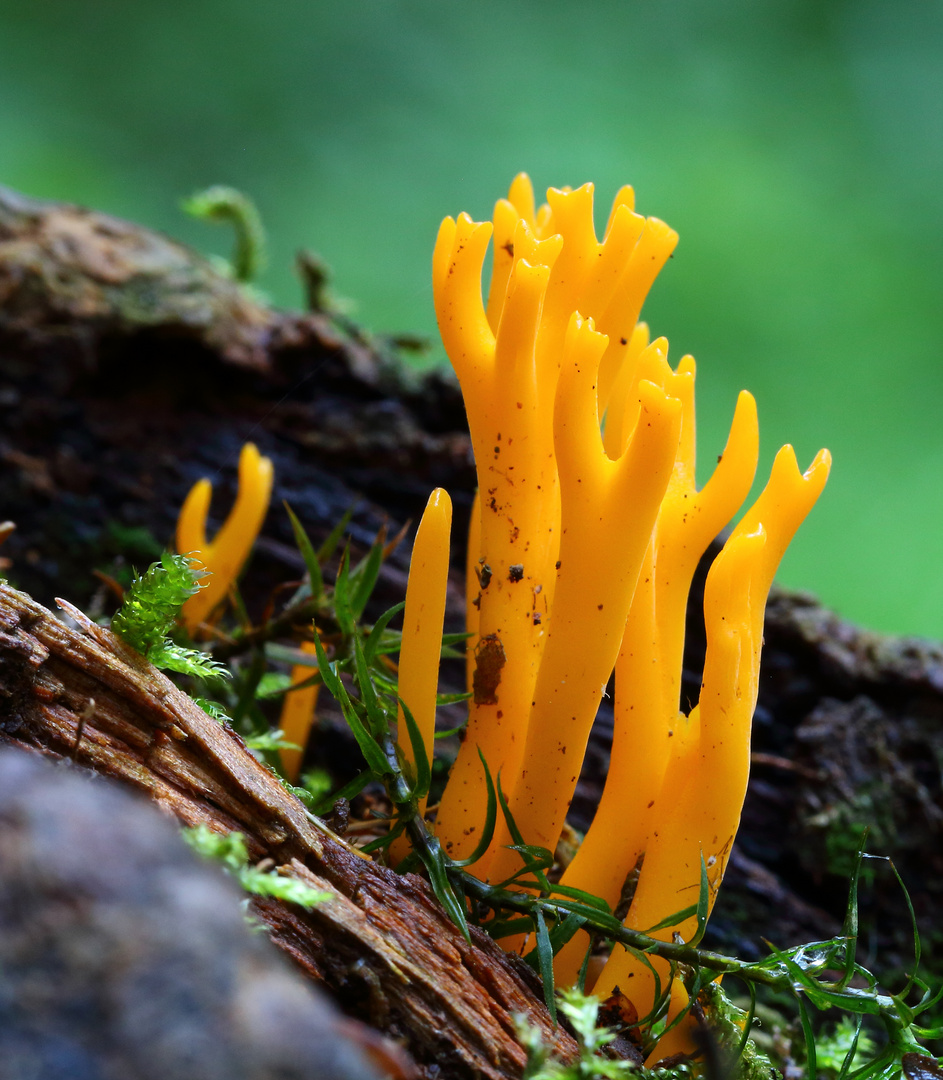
(228, 206)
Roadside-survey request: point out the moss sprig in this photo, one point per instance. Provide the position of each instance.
(582, 1012)
(149, 612)
(230, 850)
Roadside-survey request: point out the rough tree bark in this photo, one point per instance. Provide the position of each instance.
(83, 694)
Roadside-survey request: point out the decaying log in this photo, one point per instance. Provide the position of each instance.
(382, 943)
(124, 955)
(129, 368)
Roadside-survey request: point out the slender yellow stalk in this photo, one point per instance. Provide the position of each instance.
(423, 617)
(512, 439)
(191, 521)
(421, 645)
(472, 588)
(297, 717)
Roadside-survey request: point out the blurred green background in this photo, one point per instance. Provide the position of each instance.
(796, 145)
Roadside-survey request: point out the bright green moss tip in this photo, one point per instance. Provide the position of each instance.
(149, 612)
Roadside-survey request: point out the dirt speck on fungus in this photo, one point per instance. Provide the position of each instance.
(490, 659)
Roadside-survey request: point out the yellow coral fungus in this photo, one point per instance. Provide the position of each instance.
(225, 554)
(582, 550)
(697, 812)
(556, 292)
(585, 535)
(648, 671)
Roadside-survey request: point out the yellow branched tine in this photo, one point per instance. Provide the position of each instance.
(223, 556)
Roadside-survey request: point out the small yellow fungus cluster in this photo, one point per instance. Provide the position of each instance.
(584, 539)
(224, 555)
(223, 558)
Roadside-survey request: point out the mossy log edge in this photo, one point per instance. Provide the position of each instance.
(382, 942)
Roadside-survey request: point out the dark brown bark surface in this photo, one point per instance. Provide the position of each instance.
(110, 408)
(129, 368)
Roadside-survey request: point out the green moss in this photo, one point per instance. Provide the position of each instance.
(727, 1023)
(844, 823)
